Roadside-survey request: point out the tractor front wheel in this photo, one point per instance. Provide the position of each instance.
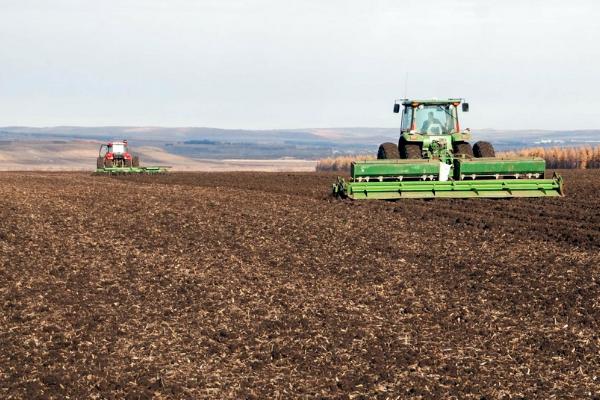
(388, 151)
(108, 163)
(409, 151)
(483, 149)
(463, 149)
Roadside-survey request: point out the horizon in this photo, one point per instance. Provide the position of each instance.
(308, 128)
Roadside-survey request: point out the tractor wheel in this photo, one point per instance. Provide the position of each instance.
(388, 151)
(135, 161)
(127, 163)
(108, 163)
(462, 149)
(100, 162)
(483, 149)
(409, 151)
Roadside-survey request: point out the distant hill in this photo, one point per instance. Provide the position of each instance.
(503, 139)
(159, 134)
(203, 143)
(80, 155)
(321, 136)
(189, 145)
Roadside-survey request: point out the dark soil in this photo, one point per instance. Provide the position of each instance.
(259, 285)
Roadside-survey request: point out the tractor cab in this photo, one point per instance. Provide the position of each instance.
(115, 154)
(117, 149)
(430, 117)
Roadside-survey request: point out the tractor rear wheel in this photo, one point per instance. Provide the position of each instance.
(388, 151)
(483, 149)
(462, 149)
(127, 163)
(409, 151)
(100, 162)
(135, 161)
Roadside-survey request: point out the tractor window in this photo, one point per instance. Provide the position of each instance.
(435, 119)
(118, 148)
(406, 118)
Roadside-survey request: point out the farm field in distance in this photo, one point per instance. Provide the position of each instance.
(260, 285)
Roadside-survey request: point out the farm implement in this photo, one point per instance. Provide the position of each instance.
(132, 170)
(114, 158)
(434, 158)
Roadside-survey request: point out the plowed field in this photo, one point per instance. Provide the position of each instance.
(259, 285)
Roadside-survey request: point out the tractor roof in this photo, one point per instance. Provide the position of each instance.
(408, 102)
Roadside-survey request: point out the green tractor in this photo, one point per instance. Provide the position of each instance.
(434, 158)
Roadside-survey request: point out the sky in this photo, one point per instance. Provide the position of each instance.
(272, 64)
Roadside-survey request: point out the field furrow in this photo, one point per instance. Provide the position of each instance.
(260, 285)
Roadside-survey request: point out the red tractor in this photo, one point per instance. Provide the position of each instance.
(116, 155)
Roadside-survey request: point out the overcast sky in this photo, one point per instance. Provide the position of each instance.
(294, 64)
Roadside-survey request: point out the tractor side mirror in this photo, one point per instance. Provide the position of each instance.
(465, 107)
(396, 108)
